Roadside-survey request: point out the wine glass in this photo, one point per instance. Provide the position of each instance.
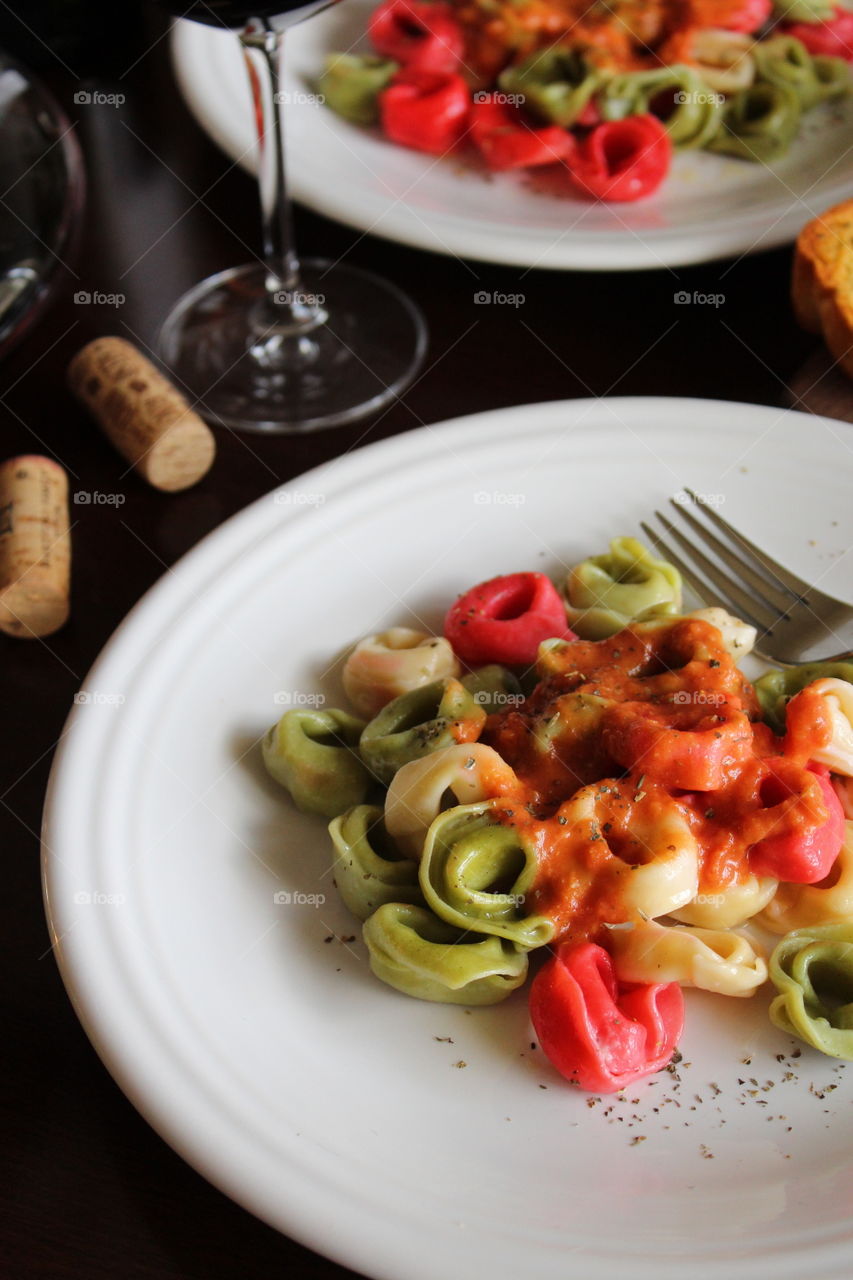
(284, 346)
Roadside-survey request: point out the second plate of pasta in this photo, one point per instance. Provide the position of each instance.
(710, 207)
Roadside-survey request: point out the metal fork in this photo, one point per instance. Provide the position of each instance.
(796, 623)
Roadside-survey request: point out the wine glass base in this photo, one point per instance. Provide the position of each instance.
(366, 347)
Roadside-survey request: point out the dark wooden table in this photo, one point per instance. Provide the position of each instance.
(90, 1191)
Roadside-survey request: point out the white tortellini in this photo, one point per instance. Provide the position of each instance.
(738, 637)
(724, 59)
(837, 754)
(469, 771)
(384, 666)
(664, 875)
(713, 959)
(729, 908)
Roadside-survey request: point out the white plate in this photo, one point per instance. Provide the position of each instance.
(271, 1059)
(710, 206)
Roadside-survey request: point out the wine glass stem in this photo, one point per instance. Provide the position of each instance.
(286, 303)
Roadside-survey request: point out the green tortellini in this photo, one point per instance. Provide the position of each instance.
(759, 123)
(555, 84)
(775, 689)
(696, 113)
(314, 754)
(417, 723)
(607, 592)
(833, 77)
(414, 951)
(476, 873)
(494, 688)
(351, 84)
(805, 10)
(812, 969)
(786, 61)
(369, 870)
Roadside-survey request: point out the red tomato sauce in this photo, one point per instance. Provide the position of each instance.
(619, 35)
(638, 714)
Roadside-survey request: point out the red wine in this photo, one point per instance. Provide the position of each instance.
(233, 13)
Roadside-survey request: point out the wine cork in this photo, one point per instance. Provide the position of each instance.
(35, 547)
(144, 415)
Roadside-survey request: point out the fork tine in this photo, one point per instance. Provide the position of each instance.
(702, 590)
(786, 580)
(741, 602)
(738, 565)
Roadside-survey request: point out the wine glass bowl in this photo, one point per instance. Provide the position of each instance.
(238, 17)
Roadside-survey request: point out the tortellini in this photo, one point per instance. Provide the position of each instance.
(424, 720)
(351, 84)
(420, 955)
(843, 788)
(801, 906)
(812, 969)
(696, 111)
(730, 908)
(804, 10)
(833, 77)
(476, 874)
(494, 688)
(786, 61)
(761, 120)
(624, 800)
(776, 688)
(314, 754)
(724, 59)
(469, 772)
(654, 862)
(836, 697)
(605, 593)
(738, 637)
(759, 123)
(385, 666)
(369, 870)
(555, 84)
(712, 959)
